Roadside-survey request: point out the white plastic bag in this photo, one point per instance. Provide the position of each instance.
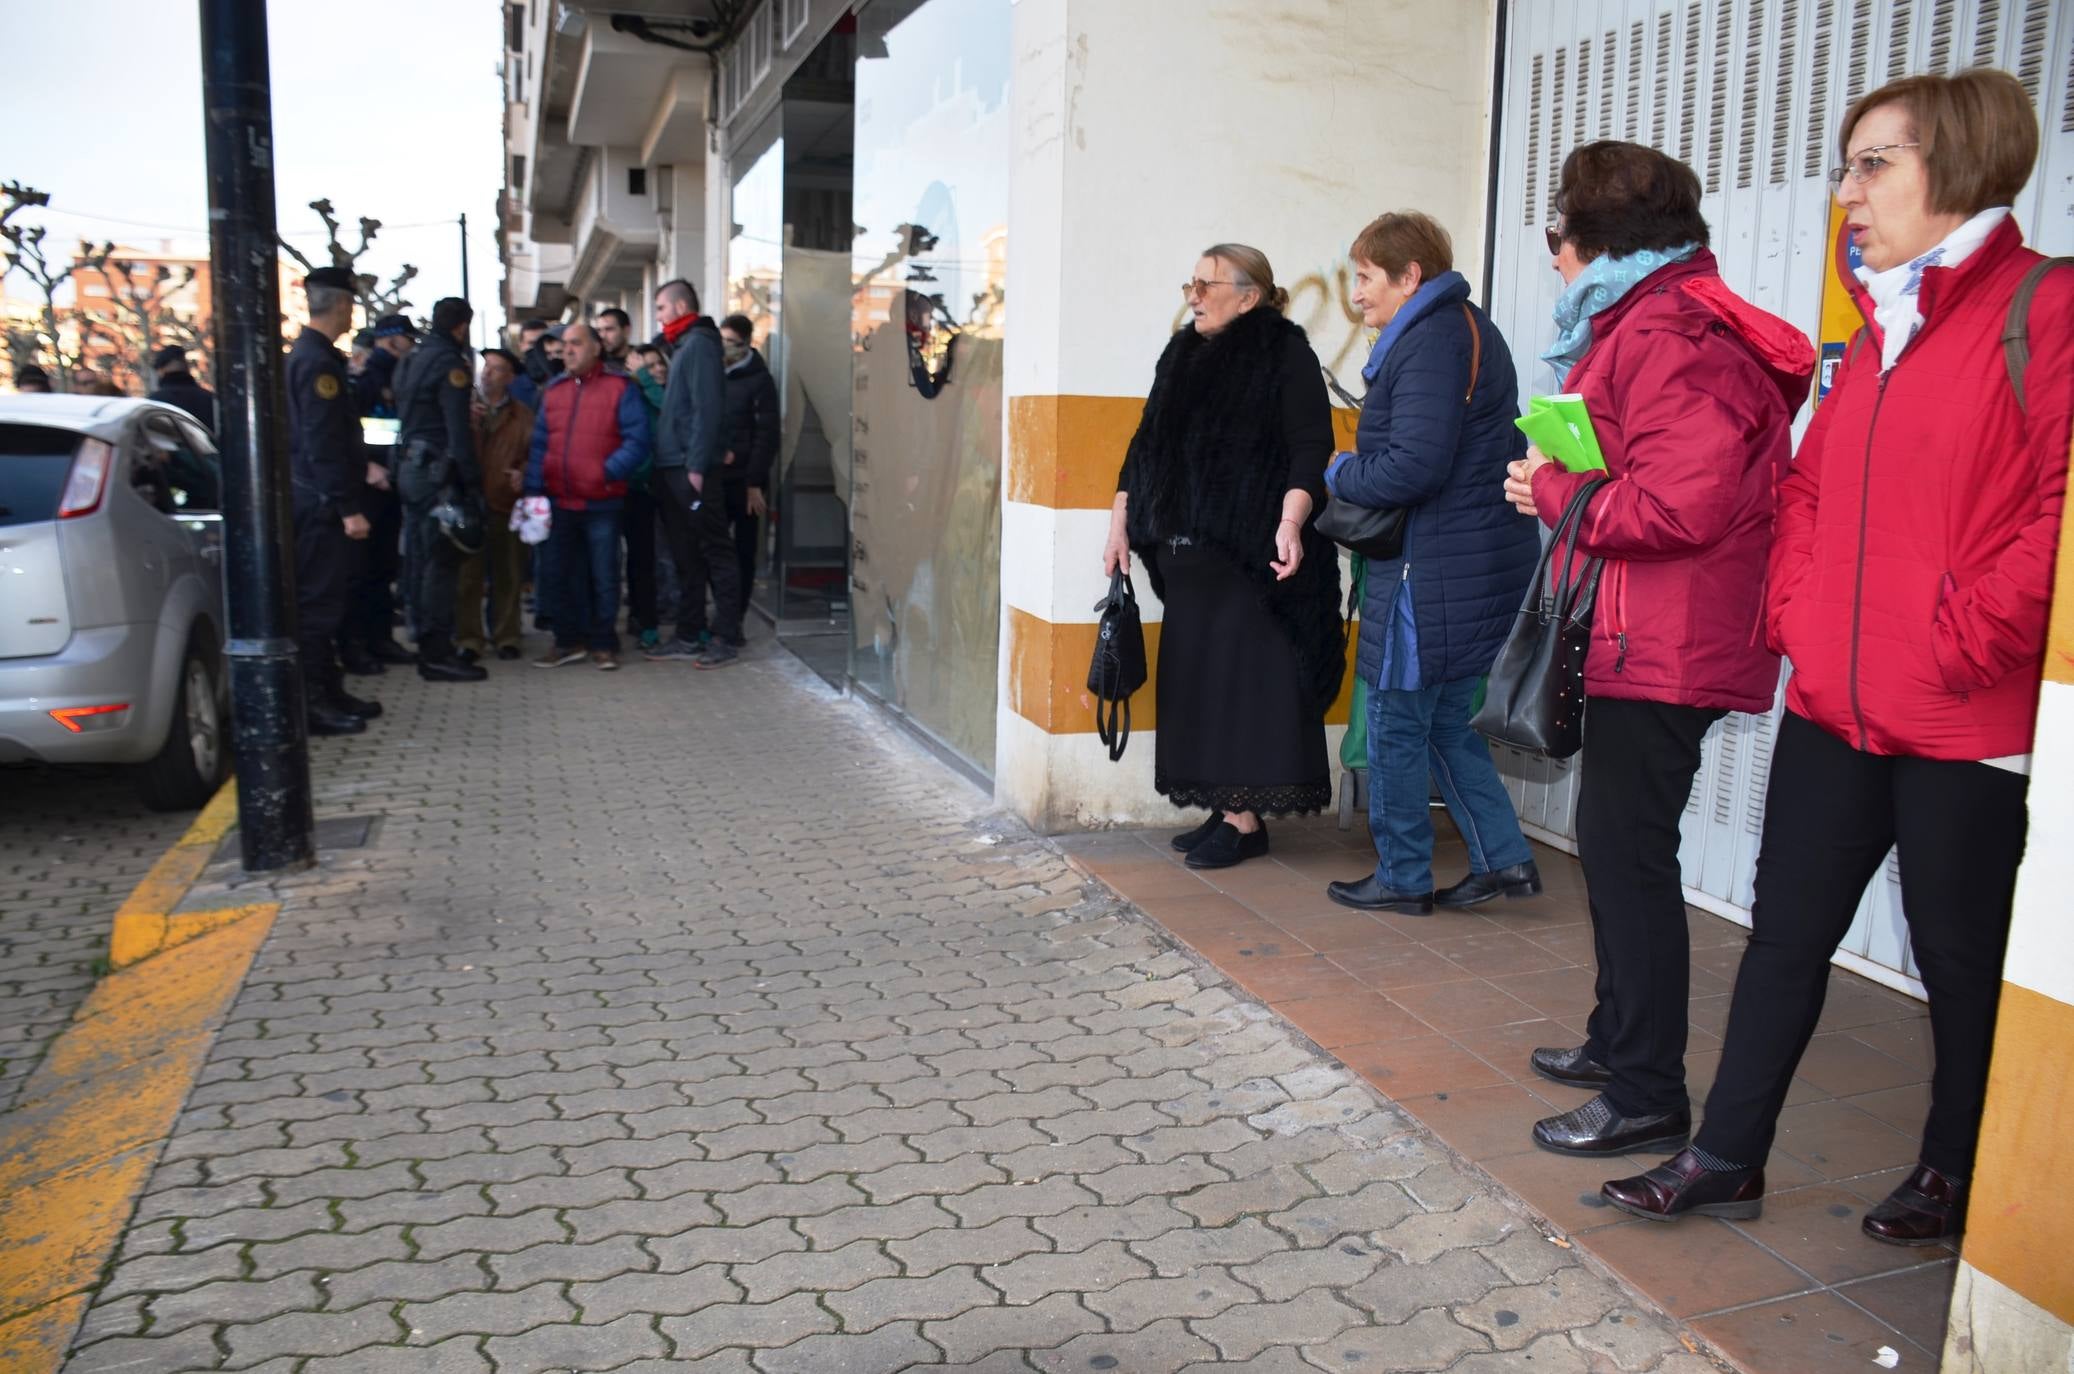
(531, 517)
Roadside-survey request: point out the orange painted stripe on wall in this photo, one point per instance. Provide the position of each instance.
(1064, 451)
(2019, 1226)
(1047, 677)
(2059, 641)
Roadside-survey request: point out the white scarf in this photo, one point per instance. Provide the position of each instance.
(1896, 291)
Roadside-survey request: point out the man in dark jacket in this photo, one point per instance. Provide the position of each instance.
(434, 386)
(752, 441)
(367, 637)
(328, 472)
(177, 386)
(689, 453)
(591, 436)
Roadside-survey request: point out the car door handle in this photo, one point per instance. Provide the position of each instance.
(213, 552)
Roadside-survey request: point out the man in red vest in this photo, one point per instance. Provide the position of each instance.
(590, 437)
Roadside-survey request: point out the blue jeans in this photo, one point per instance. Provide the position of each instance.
(583, 571)
(1412, 734)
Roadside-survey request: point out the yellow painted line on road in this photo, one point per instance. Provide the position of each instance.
(79, 1145)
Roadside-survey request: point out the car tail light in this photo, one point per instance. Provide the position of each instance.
(81, 719)
(89, 479)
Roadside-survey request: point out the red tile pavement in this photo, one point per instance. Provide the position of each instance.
(1439, 1014)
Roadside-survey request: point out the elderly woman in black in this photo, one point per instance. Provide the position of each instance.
(1216, 495)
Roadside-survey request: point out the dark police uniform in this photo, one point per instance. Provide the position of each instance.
(433, 386)
(328, 469)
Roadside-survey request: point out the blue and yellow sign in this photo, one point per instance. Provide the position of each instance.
(1840, 316)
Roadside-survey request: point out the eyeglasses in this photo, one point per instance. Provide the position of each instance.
(1198, 287)
(1554, 235)
(1864, 166)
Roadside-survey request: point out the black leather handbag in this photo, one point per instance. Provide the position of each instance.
(1379, 534)
(1119, 664)
(1534, 698)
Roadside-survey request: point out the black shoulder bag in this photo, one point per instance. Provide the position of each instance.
(1534, 698)
(1119, 664)
(1375, 533)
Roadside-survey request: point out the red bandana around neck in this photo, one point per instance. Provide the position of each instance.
(677, 328)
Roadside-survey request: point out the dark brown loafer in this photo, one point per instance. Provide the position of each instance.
(1929, 1208)
(1572, 1066)
(1679, 1186)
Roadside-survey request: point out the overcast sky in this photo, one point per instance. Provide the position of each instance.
(388, 107)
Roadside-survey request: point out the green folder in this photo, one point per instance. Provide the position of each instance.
(1561, 427)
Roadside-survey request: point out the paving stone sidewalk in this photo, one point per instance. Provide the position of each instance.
(683, 1020)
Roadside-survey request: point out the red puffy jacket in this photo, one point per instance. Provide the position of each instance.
(1913, 564)
(1692, 392)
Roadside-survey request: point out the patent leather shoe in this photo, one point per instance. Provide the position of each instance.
(450, 670)
(1370, 895)
(1225, 846)
(1596, 1128)
(1572, 1066)
(355, 706)
(387, 650)
(327, 719)
(1681, 1185)
(1189, 839)
(1515, 882)
(1928, 1208)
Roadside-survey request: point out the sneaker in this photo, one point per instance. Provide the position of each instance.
(557, 657)
(675, 650)
(604, 660)
(650, 638)
(719, 653)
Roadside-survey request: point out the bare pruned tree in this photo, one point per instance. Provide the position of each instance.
(375, 300)
(25, 254)
(144, 318)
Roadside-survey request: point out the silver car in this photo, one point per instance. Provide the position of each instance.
(111, 593)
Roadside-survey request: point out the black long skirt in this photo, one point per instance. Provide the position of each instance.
(1234, 731)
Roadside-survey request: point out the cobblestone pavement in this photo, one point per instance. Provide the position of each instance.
(678, 1020)
(72, 845)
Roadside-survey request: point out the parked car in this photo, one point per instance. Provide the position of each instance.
(111, 593)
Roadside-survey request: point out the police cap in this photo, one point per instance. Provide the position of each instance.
(389, 326)
(337, 278)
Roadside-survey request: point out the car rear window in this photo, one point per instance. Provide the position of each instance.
(34, 461)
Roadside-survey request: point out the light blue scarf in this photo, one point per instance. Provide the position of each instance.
(1602, 283)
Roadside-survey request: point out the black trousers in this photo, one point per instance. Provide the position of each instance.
(325, 562)
(1639, 761)
(748, 534)
(1831, 814)
(639, 534)
(704, 552)
(432, 573)
(370, 605)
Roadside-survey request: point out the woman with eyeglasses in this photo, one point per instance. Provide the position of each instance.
(1910, 577)
(1216, 496)
(1692, 393)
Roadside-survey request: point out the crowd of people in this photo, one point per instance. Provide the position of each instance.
(1900, 558)
(647, 465)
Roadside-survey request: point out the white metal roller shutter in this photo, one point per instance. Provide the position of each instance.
(1749, 92)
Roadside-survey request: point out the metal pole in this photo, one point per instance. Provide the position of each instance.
(464, 260)
(276, 827)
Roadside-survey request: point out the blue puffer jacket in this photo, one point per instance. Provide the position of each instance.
(1468, 555)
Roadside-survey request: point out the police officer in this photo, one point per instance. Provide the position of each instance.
(328, 469)
(433, 385)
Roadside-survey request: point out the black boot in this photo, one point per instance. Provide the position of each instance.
(437, 663)
(352, 705)
(387, 650)
(355, 659)
(325, 718)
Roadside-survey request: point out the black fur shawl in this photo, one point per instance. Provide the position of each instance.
(1210, 462)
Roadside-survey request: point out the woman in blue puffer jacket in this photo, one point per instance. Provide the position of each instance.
(1436, 432)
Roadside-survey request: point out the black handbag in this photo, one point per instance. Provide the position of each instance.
(1119, 664)
(1379, 534)
(1534, 698)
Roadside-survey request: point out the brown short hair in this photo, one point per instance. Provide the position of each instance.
(1395, 241)
(1624, 198)
(1251, 267)
(1978, 131)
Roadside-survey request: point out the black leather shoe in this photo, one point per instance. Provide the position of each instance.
(467, 657)
(360, 663)
(1597, 1129)
(1572, 1066)
(508, 653)
(1225, 846)
(450, 670)
(355, 706)
(1189, 839)
(327, 719)
(1679, 1186)
(1928, 1208)
(1370, 895)
(1520, 880)
(387, 650)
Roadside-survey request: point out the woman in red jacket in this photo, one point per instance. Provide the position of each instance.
(1692, 392)
(1910, 573)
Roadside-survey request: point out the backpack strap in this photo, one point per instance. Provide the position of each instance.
(1857, 343)
(1476, 350)
(2016, 329)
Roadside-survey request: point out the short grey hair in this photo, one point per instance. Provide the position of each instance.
(325, 299)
